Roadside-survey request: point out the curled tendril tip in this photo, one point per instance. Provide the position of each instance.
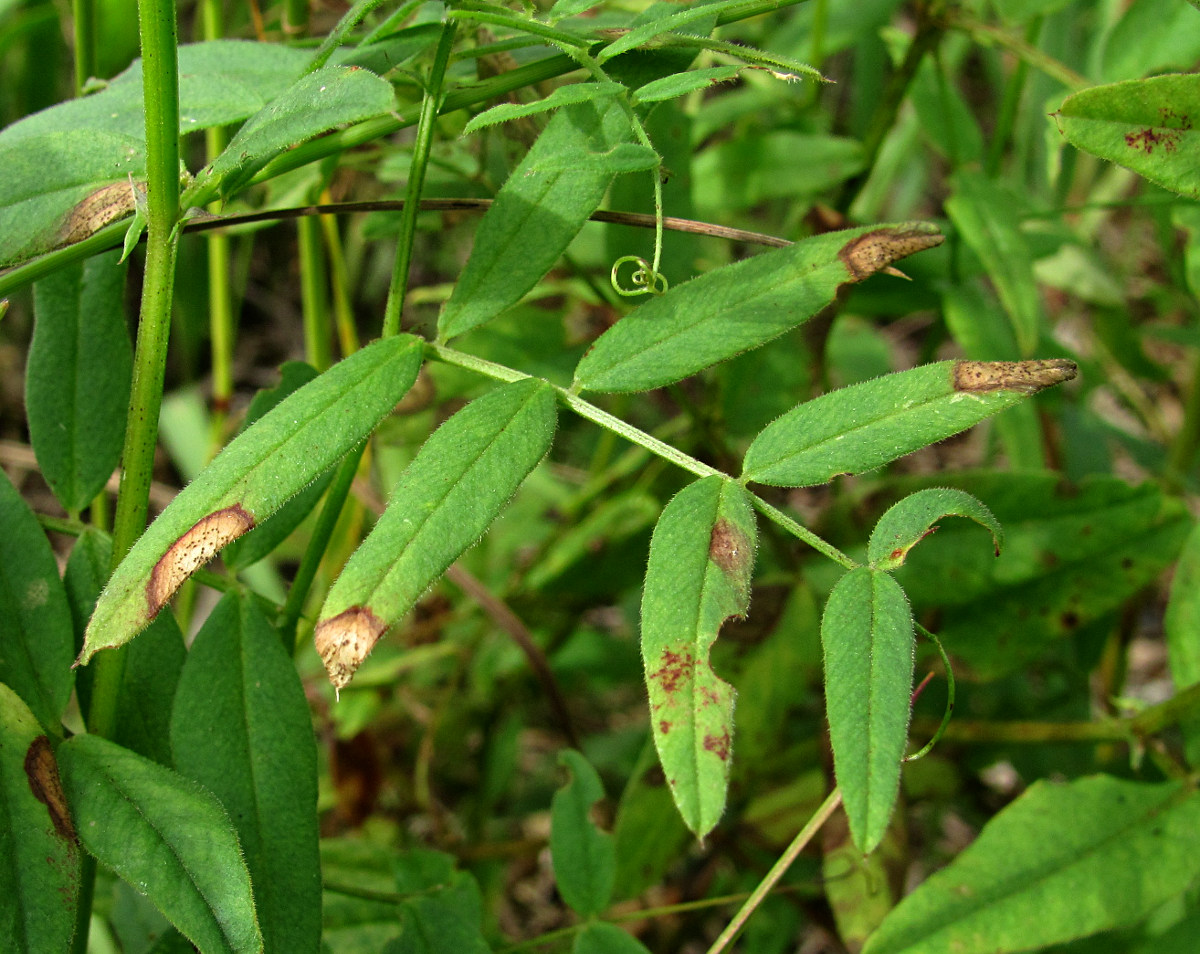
(646, 281)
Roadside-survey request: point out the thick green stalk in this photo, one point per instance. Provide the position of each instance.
(160, 87)
(220, 295)
(83, 16)
(416, 181)
(313, 293)
(322, 533)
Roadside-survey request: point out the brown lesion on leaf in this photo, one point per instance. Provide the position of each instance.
(345, 640)
(41, 769)
(719, 745)
(664, 726)
(1167, 134)
(728, 548)
(875, 251)
(1028, 377)
(96, 210)
(675, 670)
(192, 550)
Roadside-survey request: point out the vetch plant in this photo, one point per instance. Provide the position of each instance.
(762, 425)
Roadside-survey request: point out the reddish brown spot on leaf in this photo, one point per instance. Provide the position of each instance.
(875, 251)
(675, 669)
(718, 745)
(191, 551)
(664, 726)
(1029, 377)
(345, 640)
(41, 769)
(1166, 134)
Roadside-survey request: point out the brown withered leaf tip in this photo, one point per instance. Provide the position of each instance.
(192, 550)
(1028, 377)
(96, 210)
(41, 769)
(875, 251)
(345, 640)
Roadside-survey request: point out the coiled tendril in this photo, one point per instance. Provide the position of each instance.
(646, 281)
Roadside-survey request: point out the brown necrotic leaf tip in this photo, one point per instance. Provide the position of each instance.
(191, 551)
(875, 251)
(345, 640)
(1028, 377)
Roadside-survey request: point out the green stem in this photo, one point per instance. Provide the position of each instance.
(1187, 438)
(339, 287)
(331, 512)
(1007, 117)
(295, 18)
(884, 117)
(160, 90)
(778, 870)
(416, 181)
(83, 16)
(313, 299)
(220, 294)
(581, 407)
(777, 516)
(546, 68)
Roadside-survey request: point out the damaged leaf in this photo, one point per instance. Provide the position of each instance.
(912, 519)
(739, 307)
(859, 428)
(449, 495)
(701, 560)
(270, 462)
(39, 877)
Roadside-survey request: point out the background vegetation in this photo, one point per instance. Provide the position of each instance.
(492, 777)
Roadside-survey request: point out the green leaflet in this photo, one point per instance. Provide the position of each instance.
(1073, 553)
(242, 728)
(87, 148)
(39, 860)
(444, 910)
(701, 560)
(563, 96)
(680, 84)
(867, 633)
(859, 428)
(248, 550)
(537, 213)
(1144, 125)
(35, 622)
(77, 378)
(585, 858)
(1093, 854)
(731, 310)
(911, 520)
(447, 498)
(987, 218)
(167, 837)
(330, 97)
(273, 460)
(601, 937)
